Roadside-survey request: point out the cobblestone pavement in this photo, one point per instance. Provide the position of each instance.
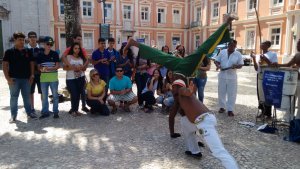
(138, 140)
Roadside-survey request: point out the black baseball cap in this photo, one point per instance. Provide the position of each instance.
(49, 40)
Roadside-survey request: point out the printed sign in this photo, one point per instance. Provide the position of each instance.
(272, 86)
(141, 40)
(104, 31)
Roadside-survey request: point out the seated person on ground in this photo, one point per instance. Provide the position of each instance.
(167, 98)
(154, 83)
(121, 90)
(96, 93)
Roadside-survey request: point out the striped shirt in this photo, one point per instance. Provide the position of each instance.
(48, 61)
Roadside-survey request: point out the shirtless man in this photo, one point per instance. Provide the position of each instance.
(197, 113)
(296, 63)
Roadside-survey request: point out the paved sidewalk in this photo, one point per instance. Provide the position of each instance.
(138, 140)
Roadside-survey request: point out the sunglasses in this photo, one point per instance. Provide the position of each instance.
(49, 44)
(32, 36)
(96, 74)
(119, 70)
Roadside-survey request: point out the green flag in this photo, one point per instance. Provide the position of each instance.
(188, 65)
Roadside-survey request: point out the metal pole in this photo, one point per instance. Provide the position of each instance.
(227, 6)
(103, 11)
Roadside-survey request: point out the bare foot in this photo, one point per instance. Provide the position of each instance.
(231, 17)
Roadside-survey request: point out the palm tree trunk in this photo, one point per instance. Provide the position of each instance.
(72, 20)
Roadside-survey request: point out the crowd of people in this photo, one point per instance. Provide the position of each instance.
(109, 84)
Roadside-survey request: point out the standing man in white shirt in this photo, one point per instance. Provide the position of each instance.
(228, 61)
(34, 49)
(266, 58)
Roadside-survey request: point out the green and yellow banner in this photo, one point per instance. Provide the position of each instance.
(188, 65)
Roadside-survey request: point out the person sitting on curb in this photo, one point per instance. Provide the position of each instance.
(96, 93)
(121, 90)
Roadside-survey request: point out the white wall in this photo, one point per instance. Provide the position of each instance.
(25, 16)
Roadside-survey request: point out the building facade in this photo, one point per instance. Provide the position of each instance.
(23, 16)
(278, 23)
(159, 22)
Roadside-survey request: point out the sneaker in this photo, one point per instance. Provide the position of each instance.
(55, 116)
(44, 116)
(189, 153)
(32, 115)
(70, 111)
(230, 113)
(12, 120)
(222, 110)
(85, 109)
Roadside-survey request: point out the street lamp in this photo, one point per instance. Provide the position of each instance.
(99, 1)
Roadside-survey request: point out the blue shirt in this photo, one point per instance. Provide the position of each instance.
(103, 69)
(113, 64)
(163, 70)
(120, 84)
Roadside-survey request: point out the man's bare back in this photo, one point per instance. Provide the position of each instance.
(191, 106)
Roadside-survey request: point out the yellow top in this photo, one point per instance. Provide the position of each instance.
(96, 90)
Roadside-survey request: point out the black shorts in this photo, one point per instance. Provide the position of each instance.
(37, 82)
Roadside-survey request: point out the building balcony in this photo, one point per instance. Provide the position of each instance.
(196, 24)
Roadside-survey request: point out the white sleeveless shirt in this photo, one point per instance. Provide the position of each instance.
(71, 74)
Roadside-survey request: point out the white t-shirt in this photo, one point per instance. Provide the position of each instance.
(146, 89)
(234, 59)
(71, 74)
(272, 56)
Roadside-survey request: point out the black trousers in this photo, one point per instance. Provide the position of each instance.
(148, 98)
(265, 108)
(140, 80)
(96, 106)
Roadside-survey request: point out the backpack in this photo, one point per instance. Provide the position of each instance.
(295, 130)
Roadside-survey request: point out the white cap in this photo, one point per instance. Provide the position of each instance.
(179, 82)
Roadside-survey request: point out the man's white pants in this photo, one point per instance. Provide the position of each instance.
(227, 87)
(189, 133)
(214, 143)
(298, 100)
